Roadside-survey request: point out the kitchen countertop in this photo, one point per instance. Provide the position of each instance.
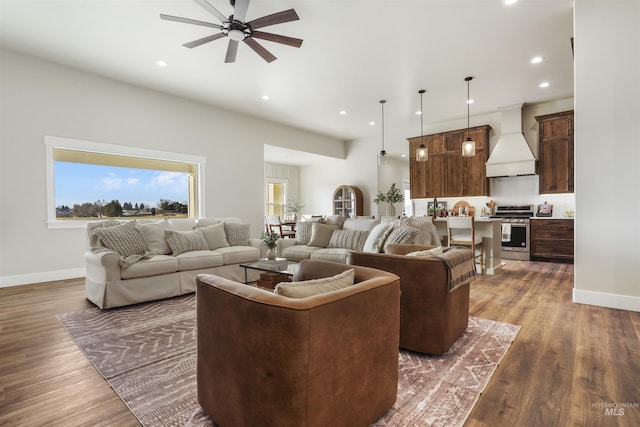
(477, 219)
(552, 217)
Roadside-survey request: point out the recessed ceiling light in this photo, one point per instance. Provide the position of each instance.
(403, 155)
(544, 84)
(161, 64)
(343, 112)
(510, 2)
(372, 123)
(536, 59)
(265, 97)
(470, 101)
(418, 113)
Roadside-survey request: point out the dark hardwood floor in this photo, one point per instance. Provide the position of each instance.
(567, 364)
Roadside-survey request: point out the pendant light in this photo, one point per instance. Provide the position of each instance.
(382, 157)
(469, 146)
(422, 153)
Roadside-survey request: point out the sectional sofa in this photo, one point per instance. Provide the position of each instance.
(134, 261)
(333, 238)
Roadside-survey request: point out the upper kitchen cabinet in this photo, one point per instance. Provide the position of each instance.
(447, 173)
(555, 152)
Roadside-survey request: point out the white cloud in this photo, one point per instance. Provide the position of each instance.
(111, 182)
(133, 181)
(170, 179)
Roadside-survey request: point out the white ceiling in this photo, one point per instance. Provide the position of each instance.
(355, 53)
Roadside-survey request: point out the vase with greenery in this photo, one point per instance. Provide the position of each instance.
(293, 207)
(270, 239)
(394, 195)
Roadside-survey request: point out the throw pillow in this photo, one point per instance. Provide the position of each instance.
(401, 234)
(348, 239)
(185, 241)
(303, 232)
(154, 236)
(205, 222)
(335, 220)
(377, 236)
(427, 252)
(126, 239)
(428, 232)
(360, 224)
(214, 235)
(237, 234)
(321, 234)
(309, 288)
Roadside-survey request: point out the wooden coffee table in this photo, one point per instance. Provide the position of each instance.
(272, 275)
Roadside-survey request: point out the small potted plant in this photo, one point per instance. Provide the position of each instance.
(394, 195)
(270, 239)
(293, 207)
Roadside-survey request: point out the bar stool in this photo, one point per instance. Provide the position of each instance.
(462, 232)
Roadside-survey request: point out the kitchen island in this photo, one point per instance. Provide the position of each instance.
(490, 229)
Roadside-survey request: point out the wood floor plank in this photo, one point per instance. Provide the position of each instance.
(567, 362)
(566, 358)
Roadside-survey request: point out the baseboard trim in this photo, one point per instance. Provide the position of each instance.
(603, 299)
(45, 276)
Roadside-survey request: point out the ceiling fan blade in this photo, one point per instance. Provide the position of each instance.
(240, 10)
(212, 10)
(203, 40)
(260, 50)
(290, 41)
(232, 51)
(189, 21)
(273, 19)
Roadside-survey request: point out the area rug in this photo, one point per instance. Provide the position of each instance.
(147, 354)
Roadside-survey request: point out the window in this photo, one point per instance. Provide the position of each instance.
(88, 180)
(275, 197)
(408, 203)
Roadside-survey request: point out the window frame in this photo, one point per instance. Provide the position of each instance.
(53, 142)
(285, 192)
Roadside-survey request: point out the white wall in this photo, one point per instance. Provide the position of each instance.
(607, 122)
(319, 181)
(40, 98)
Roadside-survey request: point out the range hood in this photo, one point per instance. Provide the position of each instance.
(511, 156)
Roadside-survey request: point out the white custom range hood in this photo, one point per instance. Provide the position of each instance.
(511, 156)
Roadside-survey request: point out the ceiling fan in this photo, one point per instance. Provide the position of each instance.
(238, 30)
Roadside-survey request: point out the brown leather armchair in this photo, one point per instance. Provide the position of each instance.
(269, 360)
(431, 317)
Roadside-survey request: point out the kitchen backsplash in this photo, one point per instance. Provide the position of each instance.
(519, 190)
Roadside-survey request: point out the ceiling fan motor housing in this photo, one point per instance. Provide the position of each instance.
(237, 30)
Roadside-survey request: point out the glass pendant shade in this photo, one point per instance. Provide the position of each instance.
(469, 148)
(422, 153)
(469, 145)
(382, 158)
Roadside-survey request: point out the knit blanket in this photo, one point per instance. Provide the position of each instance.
(460, 266)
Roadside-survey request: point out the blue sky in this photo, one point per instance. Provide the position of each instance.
(77, 183)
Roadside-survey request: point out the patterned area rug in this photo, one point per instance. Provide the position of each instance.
(147, 353)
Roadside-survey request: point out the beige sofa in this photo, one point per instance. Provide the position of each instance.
(336, 237)
(140, 261)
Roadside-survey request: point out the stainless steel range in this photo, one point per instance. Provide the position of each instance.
(516, 225)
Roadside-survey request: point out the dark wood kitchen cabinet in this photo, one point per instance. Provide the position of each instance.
(552, 240)
(447, 173)
(555, 153)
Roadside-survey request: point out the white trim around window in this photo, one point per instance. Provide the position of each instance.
(53, 142)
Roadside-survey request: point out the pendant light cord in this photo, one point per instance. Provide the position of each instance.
(468, 79)
(421, 117)
(382, 104)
